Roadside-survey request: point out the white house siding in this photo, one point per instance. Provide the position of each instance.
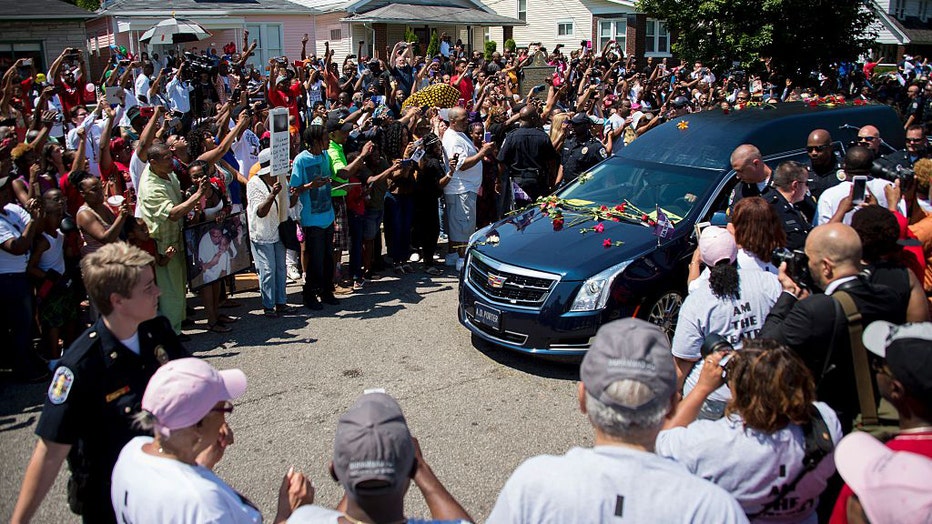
(54, 35)
(325, 24)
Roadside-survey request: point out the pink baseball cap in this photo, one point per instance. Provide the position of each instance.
(892, 486)
(717, 244)
(183, 391)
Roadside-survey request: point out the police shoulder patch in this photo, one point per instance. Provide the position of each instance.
(603, 153)
(61, 385)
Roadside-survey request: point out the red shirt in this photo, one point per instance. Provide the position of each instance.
(73, 197)
(70, 96)
(286, 98)
(464, 84)
(919, 443)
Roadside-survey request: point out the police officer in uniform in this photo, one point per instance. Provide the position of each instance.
(753, 173)
(580, 151)
(528, 158)
(790, 184)
(824, 164)
(98, 385)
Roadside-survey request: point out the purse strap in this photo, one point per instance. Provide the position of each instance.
(862, 374)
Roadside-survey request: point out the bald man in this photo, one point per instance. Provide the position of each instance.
(527, 157)
(869, 137)
(813, 324)
(753, 173)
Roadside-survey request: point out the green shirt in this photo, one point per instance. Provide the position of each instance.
(337, 162)
(158, 196)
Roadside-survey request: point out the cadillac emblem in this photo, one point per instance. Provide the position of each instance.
(496, 282)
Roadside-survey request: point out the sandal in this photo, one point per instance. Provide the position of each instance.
(219, 328)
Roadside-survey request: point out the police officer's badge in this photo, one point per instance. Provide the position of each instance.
(161, 355)
(603, 152)
(840, 175)
(61, 385)
(585, 150)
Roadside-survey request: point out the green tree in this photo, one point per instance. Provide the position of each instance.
(490, 48)
(90, 5)
(798, 35)
(510, 45)
(433, 47)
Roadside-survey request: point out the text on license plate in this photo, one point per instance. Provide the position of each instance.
(489, 316)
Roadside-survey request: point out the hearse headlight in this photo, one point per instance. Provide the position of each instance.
(594, 293)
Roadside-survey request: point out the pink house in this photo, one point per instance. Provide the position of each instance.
(278, 25)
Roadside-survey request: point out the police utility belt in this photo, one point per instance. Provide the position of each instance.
(520, 175)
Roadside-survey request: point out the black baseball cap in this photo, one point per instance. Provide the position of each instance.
(907, 349)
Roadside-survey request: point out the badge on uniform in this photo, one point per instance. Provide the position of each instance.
(61, 385)
(603, 152)
(161, 355)
(585, 150)
(840, 175)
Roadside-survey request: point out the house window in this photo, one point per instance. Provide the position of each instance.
(11, 52)
(899, 8)
(522, 10)
(564, 29)
(270, 45)
(336, 34)
(658, 38)
(487, 34)
(616, 30)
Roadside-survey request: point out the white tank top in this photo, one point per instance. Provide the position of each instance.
(54, 256)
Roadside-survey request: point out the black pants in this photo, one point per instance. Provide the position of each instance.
(426, 227)
(318, 250)
(16, 325)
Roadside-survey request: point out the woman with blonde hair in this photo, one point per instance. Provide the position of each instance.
(760, 444)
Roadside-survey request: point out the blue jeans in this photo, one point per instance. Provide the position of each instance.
(270, 261)
(399, 214)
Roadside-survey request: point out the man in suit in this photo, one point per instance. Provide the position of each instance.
(814, 324)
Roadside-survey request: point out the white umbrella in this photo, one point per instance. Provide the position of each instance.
(174, 31)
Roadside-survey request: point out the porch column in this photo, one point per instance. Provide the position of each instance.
(381, 41)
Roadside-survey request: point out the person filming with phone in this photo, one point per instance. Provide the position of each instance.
(838, 203)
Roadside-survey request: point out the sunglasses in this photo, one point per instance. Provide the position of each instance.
(866, 138)
(226, 409)
(812, 149)
(915, 140)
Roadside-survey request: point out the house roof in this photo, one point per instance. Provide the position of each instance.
(420, 14)
(363, 6)
(42, 10)
(196, 7)
(917, 31)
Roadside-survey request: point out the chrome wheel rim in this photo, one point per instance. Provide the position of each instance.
(665, 311)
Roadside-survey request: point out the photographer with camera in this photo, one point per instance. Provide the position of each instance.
(759, 451)
(727, 301)
(815, 324)
(838, 203)
(179, 91)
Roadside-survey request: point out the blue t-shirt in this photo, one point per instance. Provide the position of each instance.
(316, 204)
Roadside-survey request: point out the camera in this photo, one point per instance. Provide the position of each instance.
(713, 343)
(892, 173)
(197, 64)
(797, 265)
(716, 343)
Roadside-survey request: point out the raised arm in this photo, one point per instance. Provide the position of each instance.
(215, 154)
(148, 134)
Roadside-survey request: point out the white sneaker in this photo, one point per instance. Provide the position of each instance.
(415, 257)
(460, 262)
(451, 259)
(294, 273)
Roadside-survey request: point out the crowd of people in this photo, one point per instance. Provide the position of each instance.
(737, 418)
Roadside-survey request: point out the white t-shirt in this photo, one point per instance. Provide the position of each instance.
(206, 250)
(12, 225)
(92, 131)
(751, 464)
(703, 313)
(142, 85)
(831, 197)
(262, 230)
(312, 514)
(610, 484)
(747, 260)
(462, 181)
(157, 490)
(246, 151)
(54, 257)
(178, 93)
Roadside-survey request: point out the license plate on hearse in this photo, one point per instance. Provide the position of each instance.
(489, 316)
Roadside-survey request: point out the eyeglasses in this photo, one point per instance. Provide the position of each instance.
(226, 409)
(821, 148)
(866, 138)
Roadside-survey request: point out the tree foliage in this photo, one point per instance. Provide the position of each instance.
(799, 35)
(433, 47)
(90, 5)
(490, 47)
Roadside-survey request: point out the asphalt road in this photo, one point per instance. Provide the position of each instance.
(478, 411)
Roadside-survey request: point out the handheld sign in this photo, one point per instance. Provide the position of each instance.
(280, 141)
